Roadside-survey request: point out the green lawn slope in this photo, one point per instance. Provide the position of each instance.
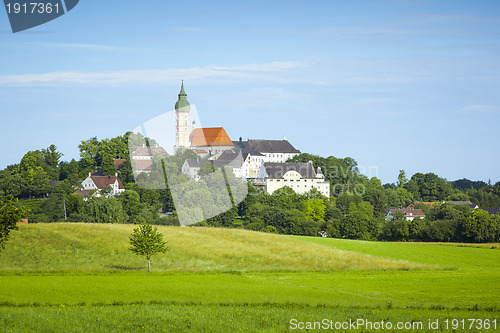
(67, 277)
(79, 247)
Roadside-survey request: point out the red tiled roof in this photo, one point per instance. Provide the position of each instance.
(105, 181)
(118, 163)
(143, 164)
(430, 204)
(84, 193)
(212, 136)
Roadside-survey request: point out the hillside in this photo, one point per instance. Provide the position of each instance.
(79, 247)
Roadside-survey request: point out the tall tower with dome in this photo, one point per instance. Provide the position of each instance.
(182, 120)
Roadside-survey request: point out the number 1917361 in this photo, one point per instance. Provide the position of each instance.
(32, 8)
(470, 324)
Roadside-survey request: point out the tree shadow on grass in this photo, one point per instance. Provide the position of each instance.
(124, 268)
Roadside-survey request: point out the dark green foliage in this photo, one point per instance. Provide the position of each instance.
(398, 228)
(488, 196)
(285, 221)
(10, 214)
(225, 219)
(170, 220)
(356, 208)
(344, 201)
(465, 184)
(481, 227)
(105, 210)
(428, 187)
(342, 173)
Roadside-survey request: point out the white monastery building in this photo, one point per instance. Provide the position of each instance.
(261, 161)
(301, 177)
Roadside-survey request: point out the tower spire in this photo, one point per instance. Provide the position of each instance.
(182, 119)
(182, 93)
(182, 104)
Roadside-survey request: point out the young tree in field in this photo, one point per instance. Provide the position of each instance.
(147, 241)
(9, 215)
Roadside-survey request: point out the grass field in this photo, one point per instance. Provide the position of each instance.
(81, 278)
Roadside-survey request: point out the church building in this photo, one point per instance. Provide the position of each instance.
(204, 141)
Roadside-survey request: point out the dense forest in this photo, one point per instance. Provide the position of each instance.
(45, 188)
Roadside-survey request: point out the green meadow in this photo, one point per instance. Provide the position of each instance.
(66, 277)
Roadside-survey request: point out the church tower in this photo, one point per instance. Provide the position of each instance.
(182, 120)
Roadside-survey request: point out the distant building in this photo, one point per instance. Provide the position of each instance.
(466, 203)
(278, 151)
(235, 160)
(142, 158)
(409, 213)
(412, 205)
(491, 211)
(209, 141)
(99, 183)
(118, 163)
(301, 177)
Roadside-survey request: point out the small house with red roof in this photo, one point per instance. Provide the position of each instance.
(409, 213)
(99, 182)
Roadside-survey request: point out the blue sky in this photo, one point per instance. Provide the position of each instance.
(410, 85)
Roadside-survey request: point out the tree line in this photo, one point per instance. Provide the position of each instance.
(356, 208)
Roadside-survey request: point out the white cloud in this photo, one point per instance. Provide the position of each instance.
(480, 110)
(76, 46)
(187, 29)
(65, 46)
(245, 71)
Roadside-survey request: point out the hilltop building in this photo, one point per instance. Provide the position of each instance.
(98, 182)
(301, 177)
(278, 151)
(261, 161)
(210, 141)
(142, 157)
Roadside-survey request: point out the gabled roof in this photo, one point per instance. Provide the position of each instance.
(407, 212)
(149, 151)
(141, 165)
(211, 136)
(118, 163)
(269, 146)
(491, 211)
(277, 170)
(230, 158)
(466, 203)
(84, 193)
(232, 153)
(192, 163)
(103, 182)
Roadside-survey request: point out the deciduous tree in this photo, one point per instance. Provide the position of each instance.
(147, 241)
(9, 215)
